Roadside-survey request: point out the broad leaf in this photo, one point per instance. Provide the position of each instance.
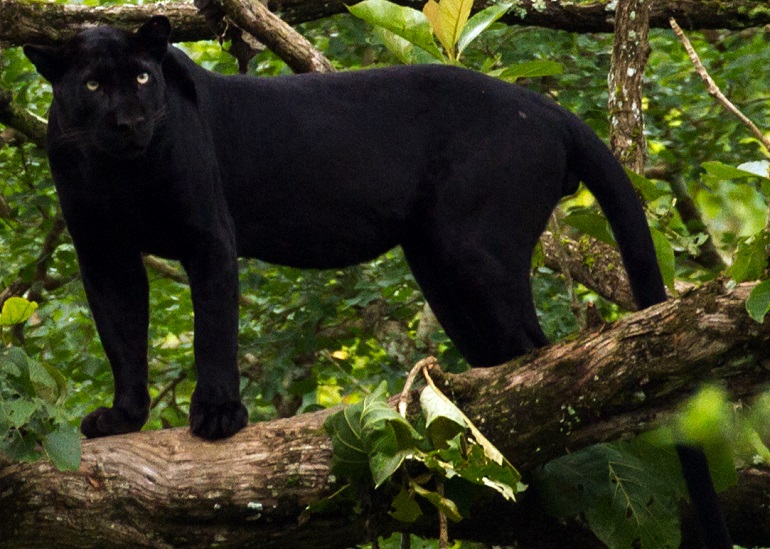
(63, 448)
(758, 304)
(531, 69)
(750, 258)
(443, 419)
(406, 51)
(447, 18)
(623, 497)
(370, 439)
(16, 310)
(725, 172)
(480, 22)
(407, 23)
(404, 507)
(592, 224)
(650, 191)
(666, 260)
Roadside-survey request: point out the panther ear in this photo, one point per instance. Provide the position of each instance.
(153, 35)
(48, 61)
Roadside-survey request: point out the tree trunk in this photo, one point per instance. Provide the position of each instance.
(168, 489)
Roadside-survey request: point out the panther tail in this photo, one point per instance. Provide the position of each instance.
(594, 164)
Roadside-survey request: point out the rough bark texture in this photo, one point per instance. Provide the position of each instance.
(164, 488)
(630, 51)
(604, 273)
(22, 21)
(273, 32)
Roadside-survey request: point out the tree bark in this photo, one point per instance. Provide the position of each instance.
(23, 21)
(630, 51)
(167, 489)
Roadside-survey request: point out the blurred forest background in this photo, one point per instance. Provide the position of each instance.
(315, 339)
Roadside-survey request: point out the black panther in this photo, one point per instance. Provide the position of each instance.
(153, 154)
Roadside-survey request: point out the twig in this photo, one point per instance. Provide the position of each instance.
(403, 400)
(713, 89)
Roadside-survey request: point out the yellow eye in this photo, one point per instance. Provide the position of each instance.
(142, 78)
(92, 85)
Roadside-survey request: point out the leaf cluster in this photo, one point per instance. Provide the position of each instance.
(372, 442)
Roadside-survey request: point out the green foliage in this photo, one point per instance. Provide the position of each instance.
(31, 420)
(371, 441)
(408, 33)
(627, 492)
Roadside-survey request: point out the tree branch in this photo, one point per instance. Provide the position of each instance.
(713, 89)
(252, 488)
(23, 22)
(254, 17)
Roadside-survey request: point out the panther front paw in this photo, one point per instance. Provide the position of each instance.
(104, 422)
(217, 420)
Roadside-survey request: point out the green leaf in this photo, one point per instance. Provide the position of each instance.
(758, 303)
(370, 439)
(443, 419)
(447, 18)
(18, 412)
(447, 506)
(725, 172)
(666, 259)
(750, 258)
(592, 224)
(408, 54)
(62, 446)
(480, 22)
(408, 23)
(760, 168)
(623, 497)
(405, 508)
(532, 69)
(16, 310)
(478, 469)
(649, 190)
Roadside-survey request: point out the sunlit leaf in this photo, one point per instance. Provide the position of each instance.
(16, 310)
(480, 22)
(405, 22)
(447, 18)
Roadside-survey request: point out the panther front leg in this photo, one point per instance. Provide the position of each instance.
(116, 286)
(216, 410)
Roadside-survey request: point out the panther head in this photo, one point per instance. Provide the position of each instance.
(108, 87)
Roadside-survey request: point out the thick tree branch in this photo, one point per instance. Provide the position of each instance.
(251, 489)
(13, 116)
(254, 17)
(22, 21)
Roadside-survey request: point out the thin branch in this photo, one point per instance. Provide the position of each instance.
(712, 87)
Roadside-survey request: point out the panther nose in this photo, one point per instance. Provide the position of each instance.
(129, 123)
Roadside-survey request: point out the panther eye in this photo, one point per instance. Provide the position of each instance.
(142, 78)
(92, 85)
